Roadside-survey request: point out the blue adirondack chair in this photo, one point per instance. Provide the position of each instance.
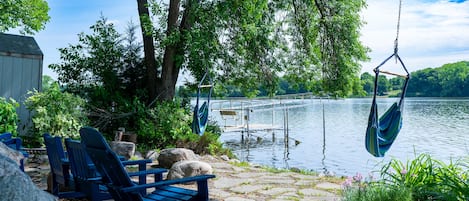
(89, 181)
(118, 181)
(16, 144)
(60, 169)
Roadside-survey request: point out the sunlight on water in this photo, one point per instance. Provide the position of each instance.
(439, 127)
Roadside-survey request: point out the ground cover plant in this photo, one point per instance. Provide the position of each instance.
(423, 178)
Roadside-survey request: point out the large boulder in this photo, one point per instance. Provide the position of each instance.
(168, 157)
(14, 183)
(183, 169)
(14, 155)
(122, 148)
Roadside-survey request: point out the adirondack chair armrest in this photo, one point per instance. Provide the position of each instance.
(136, 162)
(142, 164)
(147, 172)
(158, 173)
(95, 179)
(201, 180)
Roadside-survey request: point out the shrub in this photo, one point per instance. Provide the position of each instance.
(8, 115)
(164, 125)
(55, 112)
(169, 125)
(429, 179)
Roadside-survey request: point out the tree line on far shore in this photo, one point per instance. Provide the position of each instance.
(449, 80)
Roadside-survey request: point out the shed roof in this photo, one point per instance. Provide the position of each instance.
(15, 44)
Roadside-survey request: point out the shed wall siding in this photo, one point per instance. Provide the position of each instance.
(17, 77)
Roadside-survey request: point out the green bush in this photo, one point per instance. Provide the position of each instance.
(169, 125)
(422, 178)
(55, 112)
(164, 125)
(8, 116)
(429, 179)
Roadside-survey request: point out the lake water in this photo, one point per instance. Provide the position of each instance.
(332, 133)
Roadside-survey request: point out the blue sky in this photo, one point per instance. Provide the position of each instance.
(432, 32)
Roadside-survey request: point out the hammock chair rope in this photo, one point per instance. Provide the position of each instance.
(381, 132)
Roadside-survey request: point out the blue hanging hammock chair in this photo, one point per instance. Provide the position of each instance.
(200, 117)
(381, 132)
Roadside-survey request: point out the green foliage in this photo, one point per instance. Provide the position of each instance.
(376, 191)
(94, 61)
(55, 112)
(8, 115)
(168, 125)
(429, 179)
(383, 85)
(47, 82)
(164, 125)
(250, 44)
(449, 80)
(368, 82)
(422, 178)
(105, 69)
(208, 143)
(29, 15)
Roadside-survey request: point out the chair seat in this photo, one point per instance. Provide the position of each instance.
(172, 193)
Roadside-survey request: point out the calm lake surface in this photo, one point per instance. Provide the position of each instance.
(335, 142)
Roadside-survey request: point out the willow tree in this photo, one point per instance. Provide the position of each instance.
(252, 43)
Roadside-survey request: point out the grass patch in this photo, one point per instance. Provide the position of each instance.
(241, 164)
(378, 192)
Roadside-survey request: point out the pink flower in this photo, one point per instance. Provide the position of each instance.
(403, 171)
(358, 177)
(348, 182)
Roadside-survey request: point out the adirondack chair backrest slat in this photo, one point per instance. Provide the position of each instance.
(108, 164)
(56, 155)
(80, 163)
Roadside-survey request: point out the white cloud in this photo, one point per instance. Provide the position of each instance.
(431, 33)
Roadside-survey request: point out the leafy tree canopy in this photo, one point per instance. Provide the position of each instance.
(245, 44)
(449, 80)
(253, 43)
(29, 15)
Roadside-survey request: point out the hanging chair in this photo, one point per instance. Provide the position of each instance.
(200, 117)
(381, 132)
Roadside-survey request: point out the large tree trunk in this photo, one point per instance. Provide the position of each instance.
(164, 87)
(168, 80)
(149, 51)
(171, 63)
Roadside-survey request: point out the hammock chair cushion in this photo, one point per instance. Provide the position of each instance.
(200, 118)
(381, 133)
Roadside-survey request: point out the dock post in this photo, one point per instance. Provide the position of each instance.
(246, 117)
(273, 121)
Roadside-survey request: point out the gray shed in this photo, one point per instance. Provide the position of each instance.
(20, 72)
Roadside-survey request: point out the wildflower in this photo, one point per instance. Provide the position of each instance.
(403, 171)
(358, 177)
(348, 182)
